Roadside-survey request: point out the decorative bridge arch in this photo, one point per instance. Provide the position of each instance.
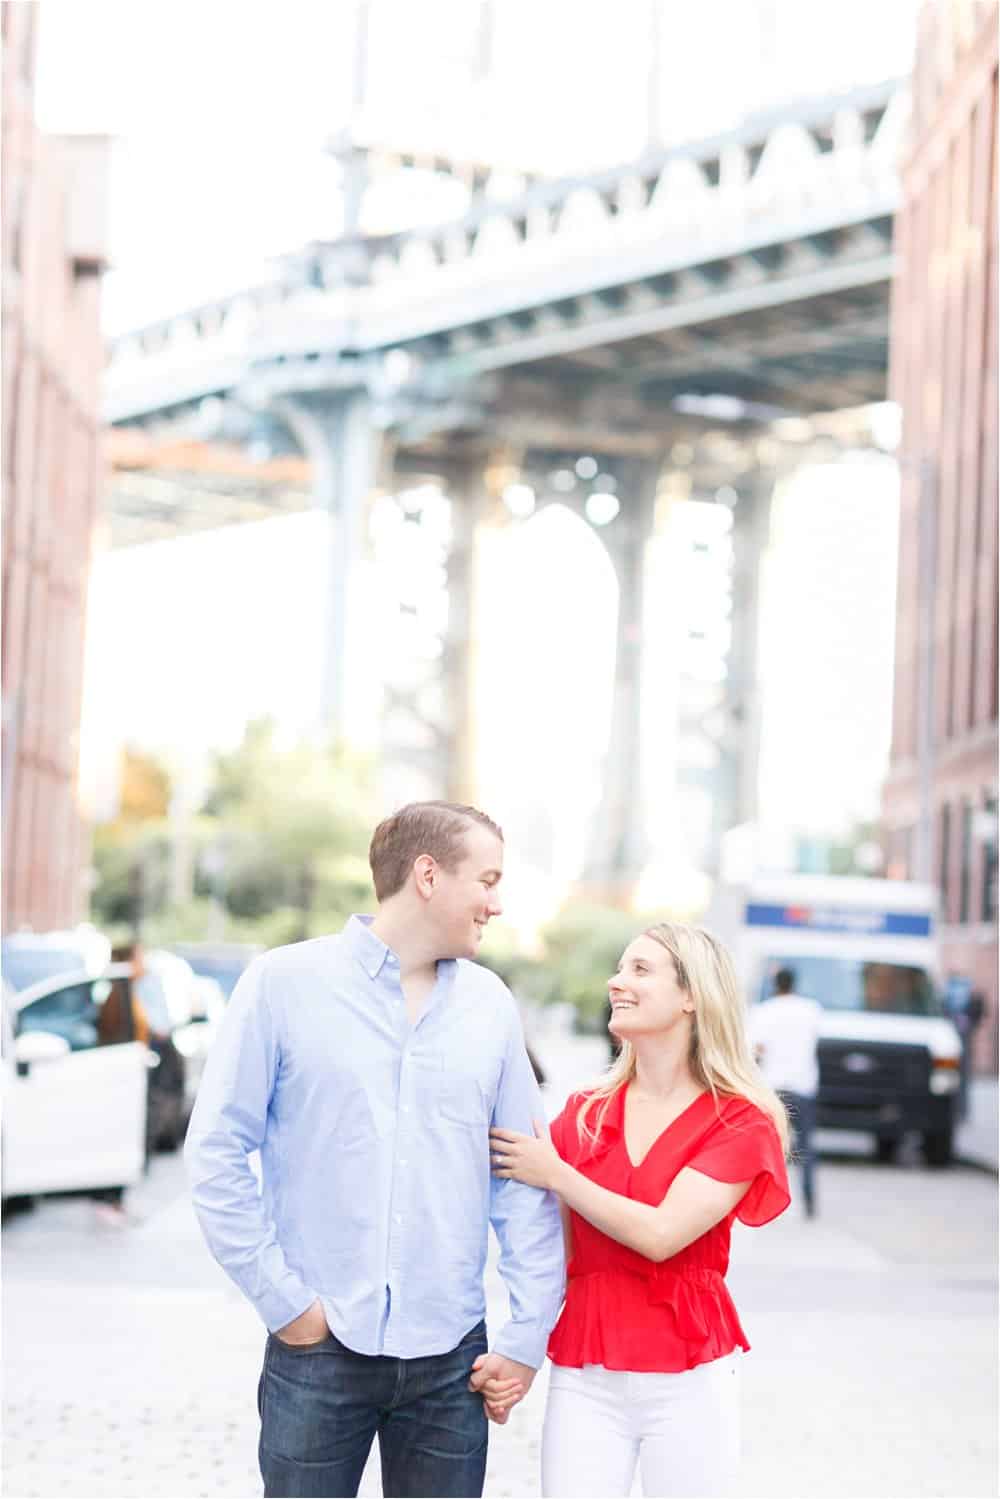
(696, 298)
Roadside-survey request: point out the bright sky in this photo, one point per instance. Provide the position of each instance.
(220, 113)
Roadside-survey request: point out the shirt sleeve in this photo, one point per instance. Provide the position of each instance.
(525, 1220)
(563, 1127)
(744, 1146)
(227, 1126)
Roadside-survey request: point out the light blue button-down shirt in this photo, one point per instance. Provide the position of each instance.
(373, 1139)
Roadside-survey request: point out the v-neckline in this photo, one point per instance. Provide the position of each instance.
(637, 1165)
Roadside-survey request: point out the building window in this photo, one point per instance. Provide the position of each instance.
(965, 868)
(988, 903)
(944, 859)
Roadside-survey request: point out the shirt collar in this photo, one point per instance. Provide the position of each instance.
(370, 951)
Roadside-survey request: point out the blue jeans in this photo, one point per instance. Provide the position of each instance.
(802, 1115)
(322, 1406)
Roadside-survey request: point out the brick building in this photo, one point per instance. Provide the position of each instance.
(940, 799)
(53, 227)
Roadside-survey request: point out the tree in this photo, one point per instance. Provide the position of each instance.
(582, 949)
(130, 852)
(288, 827)
(280, 844)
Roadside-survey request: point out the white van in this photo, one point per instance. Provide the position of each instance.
(866, 949)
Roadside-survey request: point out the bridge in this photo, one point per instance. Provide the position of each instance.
(691, 315)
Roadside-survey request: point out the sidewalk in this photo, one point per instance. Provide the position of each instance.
(132, 1363)
(977, 1140)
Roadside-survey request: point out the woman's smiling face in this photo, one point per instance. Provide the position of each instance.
(646, 994)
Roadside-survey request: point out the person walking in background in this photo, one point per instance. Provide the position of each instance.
(122, 1018)
(168, 1077)
(652, 1167)
(785, 1031)
(366, 1068)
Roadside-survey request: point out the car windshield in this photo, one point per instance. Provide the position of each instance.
(24, 966)
(851, 984)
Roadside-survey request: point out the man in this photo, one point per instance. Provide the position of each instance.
(785, 1032)
(367, 1068)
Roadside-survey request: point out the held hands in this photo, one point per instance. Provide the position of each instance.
(502, 1384)
(531, 1160)
(310, 1327)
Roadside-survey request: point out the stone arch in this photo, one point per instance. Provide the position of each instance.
(583, 209)
(547, 647)
(498, 236)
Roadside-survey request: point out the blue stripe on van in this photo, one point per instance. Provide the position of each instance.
(841, 919)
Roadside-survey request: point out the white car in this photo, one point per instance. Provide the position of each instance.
(74, 1112)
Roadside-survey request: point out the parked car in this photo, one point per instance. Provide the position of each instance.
(29, 957)
(194, 1006)
(222, 961)
(74, 1112)
(69, 1006)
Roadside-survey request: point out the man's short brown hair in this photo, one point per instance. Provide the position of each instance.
(435, 828)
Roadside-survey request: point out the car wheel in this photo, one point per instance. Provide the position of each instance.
(939, 1147)
(886, 1148)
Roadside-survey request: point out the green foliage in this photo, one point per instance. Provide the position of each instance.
(278, 849)
(582, 948)
(525, 976)
(580, 951)
(130, 860)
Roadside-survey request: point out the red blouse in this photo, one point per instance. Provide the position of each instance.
(625, 1311)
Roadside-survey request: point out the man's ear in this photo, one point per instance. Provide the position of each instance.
(425, 874)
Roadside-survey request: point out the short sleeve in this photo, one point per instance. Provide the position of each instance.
(744, 1146)
(563, 1128)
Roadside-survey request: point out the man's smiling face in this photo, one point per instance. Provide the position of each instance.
(467, 897)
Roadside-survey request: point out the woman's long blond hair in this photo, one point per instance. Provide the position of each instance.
(720, 1058)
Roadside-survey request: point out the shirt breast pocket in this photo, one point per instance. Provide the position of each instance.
(450, 1094)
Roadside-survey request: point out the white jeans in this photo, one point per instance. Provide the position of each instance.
(683, 1429)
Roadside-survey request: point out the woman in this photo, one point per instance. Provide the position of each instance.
(651, 1168)
(122, 1019)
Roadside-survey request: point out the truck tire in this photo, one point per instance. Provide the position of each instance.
(886, 1148)
(938, 1147)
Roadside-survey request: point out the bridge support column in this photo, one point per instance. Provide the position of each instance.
(618, 844)
(737, 800)
(469, 506)
(350, 458)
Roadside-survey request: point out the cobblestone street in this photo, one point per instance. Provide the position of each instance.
(131, 1363)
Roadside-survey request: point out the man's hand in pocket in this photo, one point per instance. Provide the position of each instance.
(310, 1327)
